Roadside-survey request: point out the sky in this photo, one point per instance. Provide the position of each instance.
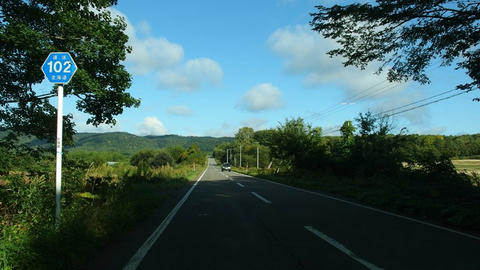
(208, 68)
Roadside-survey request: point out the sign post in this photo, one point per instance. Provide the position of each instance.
(58, 170)
(59, 68)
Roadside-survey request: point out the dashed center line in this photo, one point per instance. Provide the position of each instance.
(342, 248)
(240, 185)
(260, 197)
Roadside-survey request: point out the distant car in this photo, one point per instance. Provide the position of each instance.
(226, 167)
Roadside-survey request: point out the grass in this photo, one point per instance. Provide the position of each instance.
(469, 165)
(96, 206)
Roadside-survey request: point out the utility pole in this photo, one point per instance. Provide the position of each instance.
(257, 158)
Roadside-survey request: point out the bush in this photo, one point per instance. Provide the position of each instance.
(161, 158)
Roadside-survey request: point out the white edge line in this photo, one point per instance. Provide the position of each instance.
(135, 261)
(240, 185)
(368, 207)
(342, 248)
(260, 197)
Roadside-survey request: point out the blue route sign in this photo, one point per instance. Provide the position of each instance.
(59, 67)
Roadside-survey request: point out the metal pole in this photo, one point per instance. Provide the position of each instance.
(227, 156)
(257, 158)
(58, 179)
(240, 156)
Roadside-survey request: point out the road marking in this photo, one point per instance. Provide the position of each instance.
(342, 248)
(135, 261)
(240, 185)
(368, 207)
(260, 197)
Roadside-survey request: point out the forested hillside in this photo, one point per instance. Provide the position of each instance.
(128, 144)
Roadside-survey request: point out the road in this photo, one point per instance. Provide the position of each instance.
(232, 221)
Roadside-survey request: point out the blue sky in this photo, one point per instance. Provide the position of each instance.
(207, 68)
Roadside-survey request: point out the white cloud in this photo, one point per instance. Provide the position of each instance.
(152, 54)
(151, 126)
(81, 126)
(179, 110)
(225, 130)
(262, 97)
(102, 128)
(419, 117)
(191, 76)
(304, 52)
(255, 123)
(434, 131)
(164, 58)
(145, 28)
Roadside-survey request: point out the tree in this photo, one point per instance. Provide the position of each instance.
(375, 150)
(405, 35)
(29, 30)
(244, 135)
(264, 137)
(342, 147)
(177, 152)
(298, 143)
(347, 130)
(193, 149)
(161, 158)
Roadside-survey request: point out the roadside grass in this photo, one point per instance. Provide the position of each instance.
(455, 202)
(96, 207)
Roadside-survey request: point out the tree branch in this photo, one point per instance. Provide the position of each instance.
(40, 97)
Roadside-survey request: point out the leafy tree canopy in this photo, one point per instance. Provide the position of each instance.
(406, 35)
(193, 149)
(347, 130)
(244, 135)
(294, 140)
(264, 137)
(29, 31)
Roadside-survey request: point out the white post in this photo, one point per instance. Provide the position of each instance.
(257, 158)
(58, 179)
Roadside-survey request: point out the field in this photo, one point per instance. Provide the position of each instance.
(467, 165)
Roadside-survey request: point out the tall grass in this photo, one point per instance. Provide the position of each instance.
(98, 202)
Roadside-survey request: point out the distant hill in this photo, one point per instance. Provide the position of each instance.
(127, 143)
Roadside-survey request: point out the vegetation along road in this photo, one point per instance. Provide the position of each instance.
(229, 220)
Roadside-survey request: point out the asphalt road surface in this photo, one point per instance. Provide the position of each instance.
(232, 221)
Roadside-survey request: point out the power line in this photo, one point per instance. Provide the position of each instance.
(428, 103)
(331, 131)
(360, 96)
(418, 101)
(346, 100)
